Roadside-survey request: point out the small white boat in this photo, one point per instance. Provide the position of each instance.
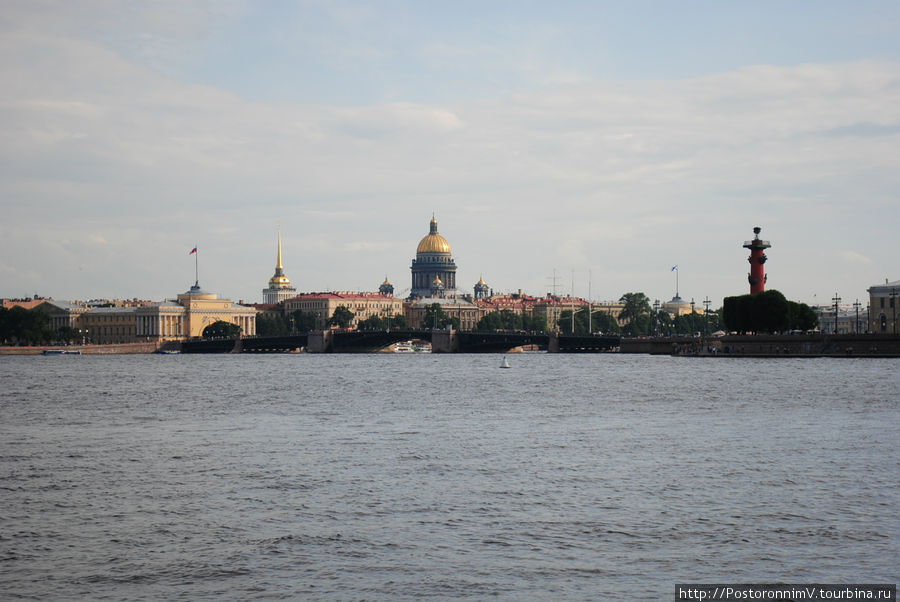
(505, 363)
(403, 348)
(61, 352)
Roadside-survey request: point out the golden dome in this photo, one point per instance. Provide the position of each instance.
(433, 242)
(279, 282)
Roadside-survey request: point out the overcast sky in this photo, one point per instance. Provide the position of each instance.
(604, 142)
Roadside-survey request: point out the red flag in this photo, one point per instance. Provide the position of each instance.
(194, 250)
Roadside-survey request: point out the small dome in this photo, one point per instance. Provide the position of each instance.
(437, 281)
(196, 292)
(386, 282)
(433, 242)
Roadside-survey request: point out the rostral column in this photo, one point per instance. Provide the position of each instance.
(757, 275)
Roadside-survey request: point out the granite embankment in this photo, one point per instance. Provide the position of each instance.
(762, 345)
(84, 349)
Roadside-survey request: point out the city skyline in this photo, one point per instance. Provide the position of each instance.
(591, 139)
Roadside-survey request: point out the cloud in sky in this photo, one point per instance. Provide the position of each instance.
(133, 132)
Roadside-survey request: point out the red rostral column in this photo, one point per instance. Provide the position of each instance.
(757, 275)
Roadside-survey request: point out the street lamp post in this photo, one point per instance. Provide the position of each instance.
(706, 303)
(894, 306)
(692, 316)
(836, 300)
(856, 306)
(656, 316)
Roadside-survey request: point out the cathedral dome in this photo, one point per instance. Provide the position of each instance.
(433, 242)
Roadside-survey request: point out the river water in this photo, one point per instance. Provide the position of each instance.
(408, 476)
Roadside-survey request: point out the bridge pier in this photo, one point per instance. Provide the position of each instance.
(444, 341)
(320, 341)
(553, 343)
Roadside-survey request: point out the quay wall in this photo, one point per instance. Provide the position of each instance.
(84, 349)
(764, 345)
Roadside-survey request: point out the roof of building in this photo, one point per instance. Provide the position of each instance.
(66, 305)
(887, 287)
(29, 303)
(112, 310)
(443, 302)
(342, 295)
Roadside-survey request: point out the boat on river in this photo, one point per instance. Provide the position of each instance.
(61, 352)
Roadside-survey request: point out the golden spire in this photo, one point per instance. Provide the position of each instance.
(278, 265)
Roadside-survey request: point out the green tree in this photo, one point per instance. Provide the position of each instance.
(436, 317)
(512, 320)
(304, 321)
(564, 323)
(534, 323)
(342, 317)
(604, 323)
(66, 334)
(268, 325)
(372, 323)
(802, 316)
(221, 329)
(636, 313)
(19, 326)
(767, 311)
(662, 323)
(490, 322)
(398, 322)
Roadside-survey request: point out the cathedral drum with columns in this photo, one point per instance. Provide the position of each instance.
(433, 269)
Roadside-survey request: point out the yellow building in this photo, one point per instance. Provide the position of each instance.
(108, 325)
(362, 305)
(63, 313)
(467, 312)
(178, 320)
(883, 303)
(193, 311)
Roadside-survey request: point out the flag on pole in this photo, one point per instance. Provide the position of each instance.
(674, 267)
(194, 250)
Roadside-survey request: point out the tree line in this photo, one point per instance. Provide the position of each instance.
(299, 322)
(20, 326)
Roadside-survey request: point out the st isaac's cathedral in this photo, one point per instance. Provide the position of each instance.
(433, 269)
(434, 281)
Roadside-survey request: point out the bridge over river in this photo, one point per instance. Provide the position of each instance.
(442, 341)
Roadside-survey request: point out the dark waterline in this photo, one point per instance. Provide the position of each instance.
(441, 476)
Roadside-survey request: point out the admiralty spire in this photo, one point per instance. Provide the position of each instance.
(279, 286)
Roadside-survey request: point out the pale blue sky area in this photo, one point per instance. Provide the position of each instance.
(370, 52)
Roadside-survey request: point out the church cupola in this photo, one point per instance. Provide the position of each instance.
(386, 288)
(482, 291)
